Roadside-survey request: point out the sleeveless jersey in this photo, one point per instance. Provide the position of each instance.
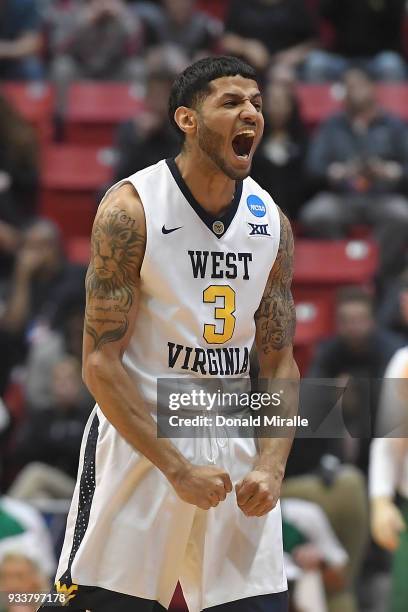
(202, 279)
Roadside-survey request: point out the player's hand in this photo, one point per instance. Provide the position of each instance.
(258, 493)
(202, 486)
(387, 523)
(29, 261)
(307, 556)
(9, 238)
(256, 53)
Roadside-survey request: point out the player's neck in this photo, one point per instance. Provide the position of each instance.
(212, 189)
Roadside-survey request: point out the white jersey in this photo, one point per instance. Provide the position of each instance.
(202, 280)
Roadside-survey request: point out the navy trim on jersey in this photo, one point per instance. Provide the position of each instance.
(208, 219)
(86, 493)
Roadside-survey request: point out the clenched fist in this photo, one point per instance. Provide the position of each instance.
(258, 493)
(202, 486)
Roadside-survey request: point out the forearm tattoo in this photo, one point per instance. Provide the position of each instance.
(276, 316)
(117, 251)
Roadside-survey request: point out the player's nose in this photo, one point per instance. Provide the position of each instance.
(249, 112)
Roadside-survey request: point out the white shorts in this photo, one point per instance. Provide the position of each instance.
(152, 539)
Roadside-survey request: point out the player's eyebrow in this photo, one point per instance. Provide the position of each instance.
(239, 96)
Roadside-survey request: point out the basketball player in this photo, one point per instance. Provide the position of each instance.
(191, 261)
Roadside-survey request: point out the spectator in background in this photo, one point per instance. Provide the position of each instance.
(41, 275)
(20, 40)
(180, 23)
(18, 181)
(62, 338)
(278, 163)
(60, 18)
(358, 347)
(148, 137)
(20, 574)
(49, 441)
(366, 34)
(18, 163)
(359, 158)
(264, 32)
(99, 39)
(24, 531)
(359, 162)
(314, 558)
(358, 353)
(343, 500)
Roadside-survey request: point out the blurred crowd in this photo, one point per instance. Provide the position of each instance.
(346, 176)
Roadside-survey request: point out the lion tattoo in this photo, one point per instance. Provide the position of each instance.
(112, 276)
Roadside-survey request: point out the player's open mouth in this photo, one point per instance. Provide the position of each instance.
(242, 144)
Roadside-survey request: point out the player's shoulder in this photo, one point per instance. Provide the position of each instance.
(258, 200)
(251, 187)
(120, 226)
(125, 195)
(257, 196)
(127, 188)
(123, 198)
(150, 171)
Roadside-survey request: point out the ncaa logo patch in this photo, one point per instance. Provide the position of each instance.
(256, 206)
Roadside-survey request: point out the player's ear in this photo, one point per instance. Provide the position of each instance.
(186, 119)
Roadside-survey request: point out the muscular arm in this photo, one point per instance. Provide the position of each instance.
(275, 322)
(112, 291)
(275, 330)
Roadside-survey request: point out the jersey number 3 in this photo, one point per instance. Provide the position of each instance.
(224, 313)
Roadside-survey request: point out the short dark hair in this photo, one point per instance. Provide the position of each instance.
(193, 84)
(352, 294)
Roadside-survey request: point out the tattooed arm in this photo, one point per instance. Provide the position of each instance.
(275, 318)
(275, 322)
(112, 291)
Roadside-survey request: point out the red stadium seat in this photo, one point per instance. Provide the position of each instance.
(317, 102)
(322, 266)
(71, 177)
(35, 102)
(217, 8)
(14, 399)
(394, 97)
(314, 322)
(335, 262)
(95, 109)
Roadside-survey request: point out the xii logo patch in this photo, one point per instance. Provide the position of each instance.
(258, 229)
